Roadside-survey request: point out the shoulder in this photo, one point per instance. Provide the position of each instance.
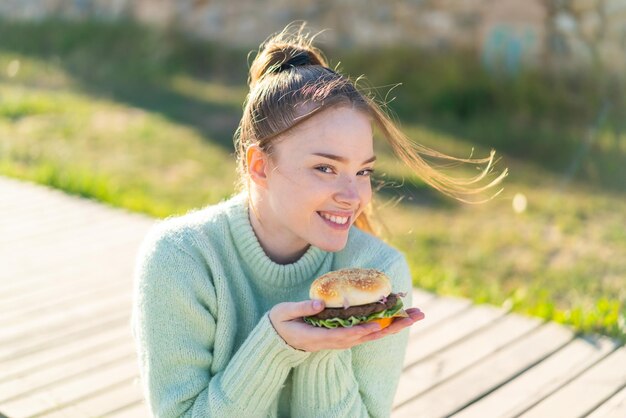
(174, 255)
(190, 232)
(367, 251)
(196, 236)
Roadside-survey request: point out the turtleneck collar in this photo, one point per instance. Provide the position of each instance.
(309, 266)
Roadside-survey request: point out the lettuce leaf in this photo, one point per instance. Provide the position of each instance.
(396, 310)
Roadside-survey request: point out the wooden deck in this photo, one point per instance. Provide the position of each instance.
(66, 349)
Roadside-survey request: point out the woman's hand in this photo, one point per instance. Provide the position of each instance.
(287, 320)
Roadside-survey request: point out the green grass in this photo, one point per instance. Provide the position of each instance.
(148, 126)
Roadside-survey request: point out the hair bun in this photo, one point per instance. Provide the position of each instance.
(301, 58)
(286, 50)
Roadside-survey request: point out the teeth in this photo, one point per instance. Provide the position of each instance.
(336, 219)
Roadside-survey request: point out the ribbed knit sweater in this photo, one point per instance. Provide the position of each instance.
(203, 287)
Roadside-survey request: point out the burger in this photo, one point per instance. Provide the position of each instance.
(355, 296)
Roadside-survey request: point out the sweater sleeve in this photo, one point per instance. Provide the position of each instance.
(361, 381)
(174, 326)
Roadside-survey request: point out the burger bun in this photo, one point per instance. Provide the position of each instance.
(350, 287)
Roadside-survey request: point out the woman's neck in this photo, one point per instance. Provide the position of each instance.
(279, 245)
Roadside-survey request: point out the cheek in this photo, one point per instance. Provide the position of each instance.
(287, 182)
(365, 191)
(301, 193)
(303, 182)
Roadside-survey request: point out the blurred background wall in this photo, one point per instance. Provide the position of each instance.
(566, 34)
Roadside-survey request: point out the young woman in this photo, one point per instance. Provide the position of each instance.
(220, 292)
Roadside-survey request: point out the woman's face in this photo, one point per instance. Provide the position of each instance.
(318, 181)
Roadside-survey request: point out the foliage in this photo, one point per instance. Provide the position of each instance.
(144, 119)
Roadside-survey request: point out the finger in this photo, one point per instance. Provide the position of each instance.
(367, 332)
(287, 311)
(343, 337)
(400, 323)
(415, 314)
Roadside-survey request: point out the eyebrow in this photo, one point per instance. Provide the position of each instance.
(342, 159)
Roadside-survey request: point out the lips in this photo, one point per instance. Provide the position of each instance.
(336, 220)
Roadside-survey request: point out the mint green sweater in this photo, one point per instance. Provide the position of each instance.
(202, 289)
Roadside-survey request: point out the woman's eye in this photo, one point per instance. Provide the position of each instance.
(324, 168)
(330, 170)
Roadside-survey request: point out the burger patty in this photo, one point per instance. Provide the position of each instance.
(361, 310)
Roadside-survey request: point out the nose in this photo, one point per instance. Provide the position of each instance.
(348, 192)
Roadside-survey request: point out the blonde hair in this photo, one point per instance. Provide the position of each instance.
(290, 81)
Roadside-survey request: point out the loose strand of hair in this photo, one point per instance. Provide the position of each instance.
(410, 153)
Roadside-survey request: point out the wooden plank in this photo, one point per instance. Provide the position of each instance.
(86, 267)
(77, 279)
(583, 394)
(28, 205)
(56, 230)
(35, 269)
(450, 331)
(138, 410)
(78, 329)
(421, 296)
(62, 370)
(436, 310)
(46, 213)
(17, 193)
(12, 183)
(59, 246)
(448, 346)
(47, 216)
(17, 189)
(487, 374)
(27, 232)
(50, 324)
(12, 194)
(38, 214)
(82, 271)
(31, 211)
(111, 283)
(59, 285)
(116, 398)
(444, 364)
(537, 383)
(70, 348)
(615, 407)
(68, 391)
(53, 259)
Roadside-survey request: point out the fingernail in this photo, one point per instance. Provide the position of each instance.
(317, 304)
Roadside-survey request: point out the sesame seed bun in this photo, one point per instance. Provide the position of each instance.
(351, 287)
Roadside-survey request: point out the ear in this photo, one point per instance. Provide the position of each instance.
(257, 160)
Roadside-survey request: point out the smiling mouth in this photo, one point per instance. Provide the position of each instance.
(337, 220)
